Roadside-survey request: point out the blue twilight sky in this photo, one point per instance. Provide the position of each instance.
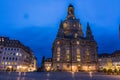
(35, 22)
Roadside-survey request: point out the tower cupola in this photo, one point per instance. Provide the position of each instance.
(71, 12)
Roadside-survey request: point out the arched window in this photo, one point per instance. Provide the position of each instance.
(78, 42)
(76, 35)
(68, 55)
(78, 51)
(87, 55)
(78, 54)
(58, 54)
(67, 51)
(87, 52)
(58, 42)
(58, 49)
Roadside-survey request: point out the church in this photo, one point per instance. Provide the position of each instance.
(71, 50)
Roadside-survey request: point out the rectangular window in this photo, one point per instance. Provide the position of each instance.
(58, 54)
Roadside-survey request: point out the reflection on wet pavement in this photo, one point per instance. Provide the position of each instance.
(56, 76)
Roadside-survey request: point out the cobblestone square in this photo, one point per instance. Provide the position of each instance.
(56, 76)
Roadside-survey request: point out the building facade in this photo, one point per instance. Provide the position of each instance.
(109, 61)
(71, 50)
(14, 56)
(48, 64)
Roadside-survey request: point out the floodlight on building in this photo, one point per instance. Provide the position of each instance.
(48, 68)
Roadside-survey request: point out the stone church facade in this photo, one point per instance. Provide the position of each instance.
(71, 51)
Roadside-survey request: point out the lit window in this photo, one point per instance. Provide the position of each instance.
(58, 49)
(73, 17)
(16, 54)
(2, 62)
(58, 54)
(15, 63)
(74, 25)
(78, 42)
(8, 63)
(58, 59)
(78, 54)
(87, 55)
(76, 35)
(5, 63)
(20, 54)
(99, 60)
(58, 42)
(65, 25)
(68, 55)
(87, 52)
(67, 51)
(2, 39)
(12, 63)
(78, 51)
(58, 66)
(78, 57)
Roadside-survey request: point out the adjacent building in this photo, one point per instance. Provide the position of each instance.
(15, 56)
(71, 50)
(109, 61)
(48, 64)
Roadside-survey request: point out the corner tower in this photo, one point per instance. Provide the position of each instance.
(89, 33)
